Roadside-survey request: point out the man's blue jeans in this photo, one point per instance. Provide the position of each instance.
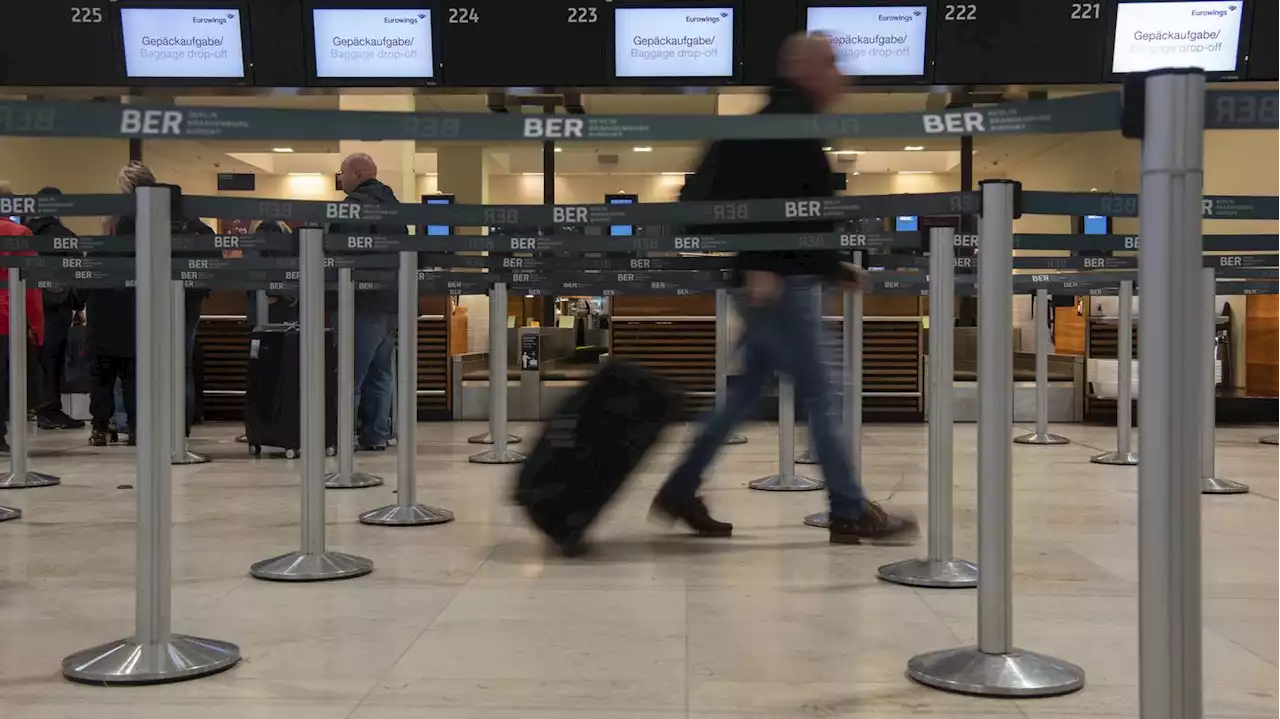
(783, 337)
(374, 340)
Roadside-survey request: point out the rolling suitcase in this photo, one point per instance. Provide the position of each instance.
(594, 441)
(272, 411)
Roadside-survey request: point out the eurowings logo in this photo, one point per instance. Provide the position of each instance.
(199, 20)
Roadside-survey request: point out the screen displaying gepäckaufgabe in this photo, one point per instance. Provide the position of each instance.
(373, 43)
(182, 43)
(874, 41)
(1203, 34)
(673, 42)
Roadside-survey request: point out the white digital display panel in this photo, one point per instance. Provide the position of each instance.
(875, 41)
(1153, 35)
(673, 42)
(373, 43)
(182, 43)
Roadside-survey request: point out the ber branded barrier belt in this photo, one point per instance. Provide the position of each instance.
(1224, 109)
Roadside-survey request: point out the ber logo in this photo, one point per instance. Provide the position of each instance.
(150, 122)
(553, 127)
(958, 123)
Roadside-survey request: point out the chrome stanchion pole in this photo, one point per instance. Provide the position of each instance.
(19, 476)
(1171, 344)
(995, 667)
(313, 562)
(347, 477)
(1270, 439)
(261, 308)
(940, 569)
(1210, 483)
(178, 355)
(786, 480)
(851, 331)
(808, 455)
(154, 654)
(722, 357)
(498, 384)
(1124, 390)
(1042, 434)
(407, 512)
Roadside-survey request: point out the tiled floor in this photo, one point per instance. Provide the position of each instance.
(471, 620)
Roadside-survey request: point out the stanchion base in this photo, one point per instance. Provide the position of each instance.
(7, 513)
(786, 483)
(357, 480)
(1037, 438)
(1214, 485)
(806, 457)
(493, 456)
(932, 573)
(186, 456)
(487, 438)
(1271, 439)
(10, 480)
(406, 515)
(126, 662)
(736, 439)
(1117, 458)
(821, 520)
(969, 670)
(304, 567)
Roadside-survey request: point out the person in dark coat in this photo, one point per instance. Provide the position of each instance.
(63, 306)
(375, 312)
(773, 292)
(112, 325)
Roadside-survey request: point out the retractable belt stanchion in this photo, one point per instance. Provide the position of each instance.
(1042, 434)
(19, 477)
(786, 480)
(851, 331)
(347, 477)
(722, 357)
(995, 667)
(808, 455)
(1210, 483)
(1124, 389)
(407, 512)
(1271, 439)
(313, 562)
(940, 569)
(178, 355)
(500, 454)
(261, 308)
(497, 339)
(153, 654)
(1171, 344)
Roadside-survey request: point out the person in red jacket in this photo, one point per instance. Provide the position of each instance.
(35, 320)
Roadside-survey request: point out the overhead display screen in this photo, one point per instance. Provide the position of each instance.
(996, 42)
(189, 42)
(875, 40)
(1262, 42)
(1203, 34)
(495, 43)
(372, 43)
(673, 42)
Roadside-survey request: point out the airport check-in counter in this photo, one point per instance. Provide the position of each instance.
(533, 392)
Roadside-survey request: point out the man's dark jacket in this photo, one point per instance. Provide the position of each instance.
(61, 300)
(769, 169)
(370, 192)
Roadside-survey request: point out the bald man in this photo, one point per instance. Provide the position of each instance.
(375, 311)
(773, 292)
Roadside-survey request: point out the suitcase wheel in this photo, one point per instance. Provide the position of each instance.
(330, 451)
(291, 454)
(255, 450)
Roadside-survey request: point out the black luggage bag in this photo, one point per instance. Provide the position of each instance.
(594, 441)
(272, 409)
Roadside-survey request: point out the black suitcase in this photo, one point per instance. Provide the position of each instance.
(272, 410)
(594, 441)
